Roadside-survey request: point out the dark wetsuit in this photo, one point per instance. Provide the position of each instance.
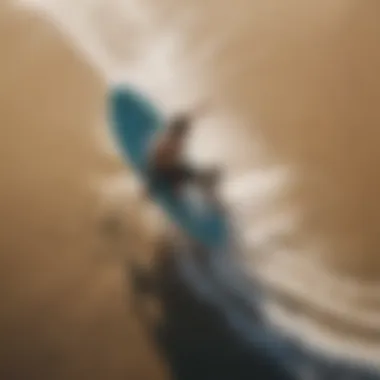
(174, 176)
(166, 166)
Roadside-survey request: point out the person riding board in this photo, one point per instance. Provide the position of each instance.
(167, 164)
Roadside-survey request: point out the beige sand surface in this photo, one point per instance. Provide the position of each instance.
(64, 307)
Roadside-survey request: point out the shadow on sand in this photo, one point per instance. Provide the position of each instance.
(193, 334)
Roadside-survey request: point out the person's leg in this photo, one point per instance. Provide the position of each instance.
(184, 174)
(179, 175)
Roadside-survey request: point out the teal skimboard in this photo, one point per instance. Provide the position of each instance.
(135, 123)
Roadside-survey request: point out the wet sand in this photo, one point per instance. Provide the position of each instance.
(65, 310)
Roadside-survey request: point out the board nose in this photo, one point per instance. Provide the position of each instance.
(129, 106)
(135, 121)
(130, 114)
